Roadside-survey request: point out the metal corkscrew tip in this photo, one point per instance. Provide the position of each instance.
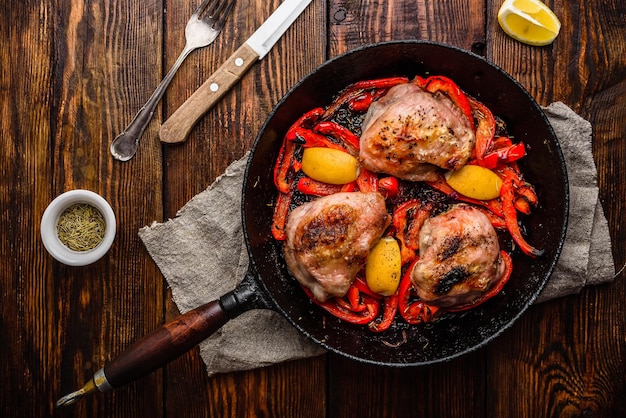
(98, 383)
(69, 399)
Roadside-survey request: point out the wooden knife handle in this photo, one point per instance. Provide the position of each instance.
(165, 344)
(179, 125)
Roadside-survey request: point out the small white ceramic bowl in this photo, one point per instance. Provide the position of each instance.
(49, 228)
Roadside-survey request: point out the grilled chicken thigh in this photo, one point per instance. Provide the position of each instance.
(459, 258)
(328, 240)
(410, 132)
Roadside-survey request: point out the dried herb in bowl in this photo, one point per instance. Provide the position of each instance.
(81, 227)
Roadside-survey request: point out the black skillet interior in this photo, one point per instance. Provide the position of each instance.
(457, 333)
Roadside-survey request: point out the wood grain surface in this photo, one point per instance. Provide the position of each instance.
(73, 74)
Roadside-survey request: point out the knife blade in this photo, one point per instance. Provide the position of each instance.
(181, 122)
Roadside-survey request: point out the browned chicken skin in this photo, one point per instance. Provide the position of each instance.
(459, 258)
(410, 132)
(329, 239)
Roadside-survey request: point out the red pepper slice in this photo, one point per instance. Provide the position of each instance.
(355, 90)
(407, 220)
(309, 139)
(486, 128)
(313, 187)
(367, 181)
(354, 299)
(281, 210)
(388, 187)
(362, 317)
(496, 221)
(507, 197)
(284, 167)
(307, 120)
(378, 83)
(508, 269)
(503, 156)
(341, 134)
(438, 83)
(360, 284)
(413, 311)
(420, 81)
(522, 205)
(390, 307)
(362, 102)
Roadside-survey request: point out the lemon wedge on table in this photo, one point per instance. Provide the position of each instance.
(529, 21)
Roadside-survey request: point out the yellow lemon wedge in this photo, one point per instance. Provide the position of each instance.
(329, 165)
(383, 267)
(529, 21)
(475, 181)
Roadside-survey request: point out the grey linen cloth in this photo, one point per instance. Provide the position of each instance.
(202, 255)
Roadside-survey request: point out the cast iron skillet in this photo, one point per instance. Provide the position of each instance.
(544, 167)
(268, 284)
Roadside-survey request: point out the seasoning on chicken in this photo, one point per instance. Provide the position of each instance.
(328, 240)
(410, 132)
(459, 258)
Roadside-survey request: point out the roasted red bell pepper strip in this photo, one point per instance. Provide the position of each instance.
(354, 298)
(284, 167)
(420, 81)
(362, 102)
(413, 311)
(360, 284)
(503, 156)
(307, 120)
(388, 187)
(390, 307)
(281, 211)
(496, 221)
(407, 220)
(508, 269)
(522, 206)
(507, 197)
(527, 192)
(312, 187)
(485, 130)
(372, 307)
(367, 181)
(341, 134)
(438, 83)
(356, 89)
(378, 83)
(309, 139)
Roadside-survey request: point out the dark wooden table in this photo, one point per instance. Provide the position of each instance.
(72, 75)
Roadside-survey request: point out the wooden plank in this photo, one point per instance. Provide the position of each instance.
(103, 62)
(222, 136)
(563, 357)
(458, 23)
(28, 311)
(360, 390)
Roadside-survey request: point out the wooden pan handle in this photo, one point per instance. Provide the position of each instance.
(179, 125)
(165, 344)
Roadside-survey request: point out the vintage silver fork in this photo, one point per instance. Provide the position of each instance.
(199, 32)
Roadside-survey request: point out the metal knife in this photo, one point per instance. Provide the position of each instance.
(180, 123)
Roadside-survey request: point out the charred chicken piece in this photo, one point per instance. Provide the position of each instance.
(410, 132)
(459, 258)
(328, 240)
